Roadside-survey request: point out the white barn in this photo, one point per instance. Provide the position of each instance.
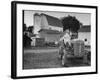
(44, 21)
(48, 27)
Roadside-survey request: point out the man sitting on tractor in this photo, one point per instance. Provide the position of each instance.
(71, 48)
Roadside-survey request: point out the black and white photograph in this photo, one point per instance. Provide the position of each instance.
(53, 39)
(56, 39)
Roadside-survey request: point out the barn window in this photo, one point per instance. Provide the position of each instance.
(85, 39)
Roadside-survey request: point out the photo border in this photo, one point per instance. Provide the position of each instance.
(14, 38)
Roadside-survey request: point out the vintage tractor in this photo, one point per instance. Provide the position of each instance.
(74, 52)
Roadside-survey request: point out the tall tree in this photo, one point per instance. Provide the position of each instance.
(71, 23)
(24, 27)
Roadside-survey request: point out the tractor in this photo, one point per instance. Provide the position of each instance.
(74, 53)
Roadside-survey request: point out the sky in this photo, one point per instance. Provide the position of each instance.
(84, 18)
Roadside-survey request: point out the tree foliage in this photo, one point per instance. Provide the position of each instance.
(30, 29)
(70, 23)
(24, 27)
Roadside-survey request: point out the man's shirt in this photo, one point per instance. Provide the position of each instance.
(65, 38)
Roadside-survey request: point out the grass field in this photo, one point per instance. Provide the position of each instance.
(45, 58)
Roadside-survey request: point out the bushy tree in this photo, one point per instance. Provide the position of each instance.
(30, 29)
(71, 23)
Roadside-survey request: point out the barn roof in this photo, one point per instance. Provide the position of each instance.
(53, 21)
(50, 31)
(85, 28)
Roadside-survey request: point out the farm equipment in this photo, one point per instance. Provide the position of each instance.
(70, 53)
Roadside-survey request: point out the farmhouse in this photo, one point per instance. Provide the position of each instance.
(84, 34)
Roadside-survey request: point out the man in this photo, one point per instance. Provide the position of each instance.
(65, 44)
(65, 39)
